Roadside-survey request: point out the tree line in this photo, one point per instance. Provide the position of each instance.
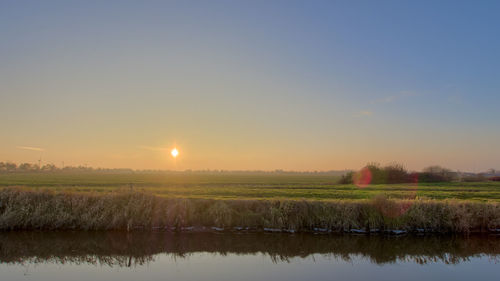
(397, 173)
(392, 173)
(9, 167)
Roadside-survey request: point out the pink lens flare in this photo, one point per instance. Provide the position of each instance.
(363, 178)
(408, 199)
(402, 190)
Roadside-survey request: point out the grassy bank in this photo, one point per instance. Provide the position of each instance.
(125, 210)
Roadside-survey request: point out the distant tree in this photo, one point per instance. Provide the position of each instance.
(49, 168)
(346, 178)
(392, 173)
(436, 170)
(378, 174)
(10, 167)
(25, 167)
(474, 178)
(396, 173)
(437, 174)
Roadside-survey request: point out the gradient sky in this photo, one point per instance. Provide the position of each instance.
(295, 85)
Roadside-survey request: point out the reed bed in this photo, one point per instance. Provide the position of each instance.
(23, 209)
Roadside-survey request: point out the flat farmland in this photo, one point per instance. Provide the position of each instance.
(249, 186)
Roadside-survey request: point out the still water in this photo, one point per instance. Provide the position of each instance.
(52, 256)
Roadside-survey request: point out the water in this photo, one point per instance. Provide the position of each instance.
(86, 256)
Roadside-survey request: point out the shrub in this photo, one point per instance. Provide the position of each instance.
(494, 179)
(346, 178)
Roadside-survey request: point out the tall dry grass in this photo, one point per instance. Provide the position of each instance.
(125, 210)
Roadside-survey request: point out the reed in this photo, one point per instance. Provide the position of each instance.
(23, 209)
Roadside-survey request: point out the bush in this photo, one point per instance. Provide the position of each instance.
(475, 178)
(431, 177)
(346, 178)
(396, 173)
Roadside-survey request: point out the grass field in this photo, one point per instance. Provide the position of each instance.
(301, 202)
(248, 186)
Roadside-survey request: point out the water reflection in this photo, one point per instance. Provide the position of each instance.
(129, 249)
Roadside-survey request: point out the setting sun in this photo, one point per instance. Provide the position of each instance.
(174, 152)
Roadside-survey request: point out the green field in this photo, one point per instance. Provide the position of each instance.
(248, 186)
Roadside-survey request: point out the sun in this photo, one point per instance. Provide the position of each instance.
(174, 152)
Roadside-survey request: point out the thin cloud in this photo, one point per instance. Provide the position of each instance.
(393, 98)
(364, 113)
(152, 148)
(387, 99)
(32, 148)
(125, 156)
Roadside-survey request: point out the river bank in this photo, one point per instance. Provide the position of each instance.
(22, 209)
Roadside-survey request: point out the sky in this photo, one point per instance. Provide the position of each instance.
(258, 85)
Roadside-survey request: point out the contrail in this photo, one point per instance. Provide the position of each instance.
(32, 148)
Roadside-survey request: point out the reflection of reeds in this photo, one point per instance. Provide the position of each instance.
(137, 248)
(125, 210)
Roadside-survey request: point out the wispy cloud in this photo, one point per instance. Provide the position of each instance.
(393, 98)
(32, 148)
(364, 113)
(153, 148)
(125, 156)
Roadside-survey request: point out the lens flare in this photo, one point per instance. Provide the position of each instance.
(363, 178)
(389, 207)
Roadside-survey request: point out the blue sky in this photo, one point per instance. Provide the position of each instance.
(299, 85)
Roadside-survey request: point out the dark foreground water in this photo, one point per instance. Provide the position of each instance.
(52, 256)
